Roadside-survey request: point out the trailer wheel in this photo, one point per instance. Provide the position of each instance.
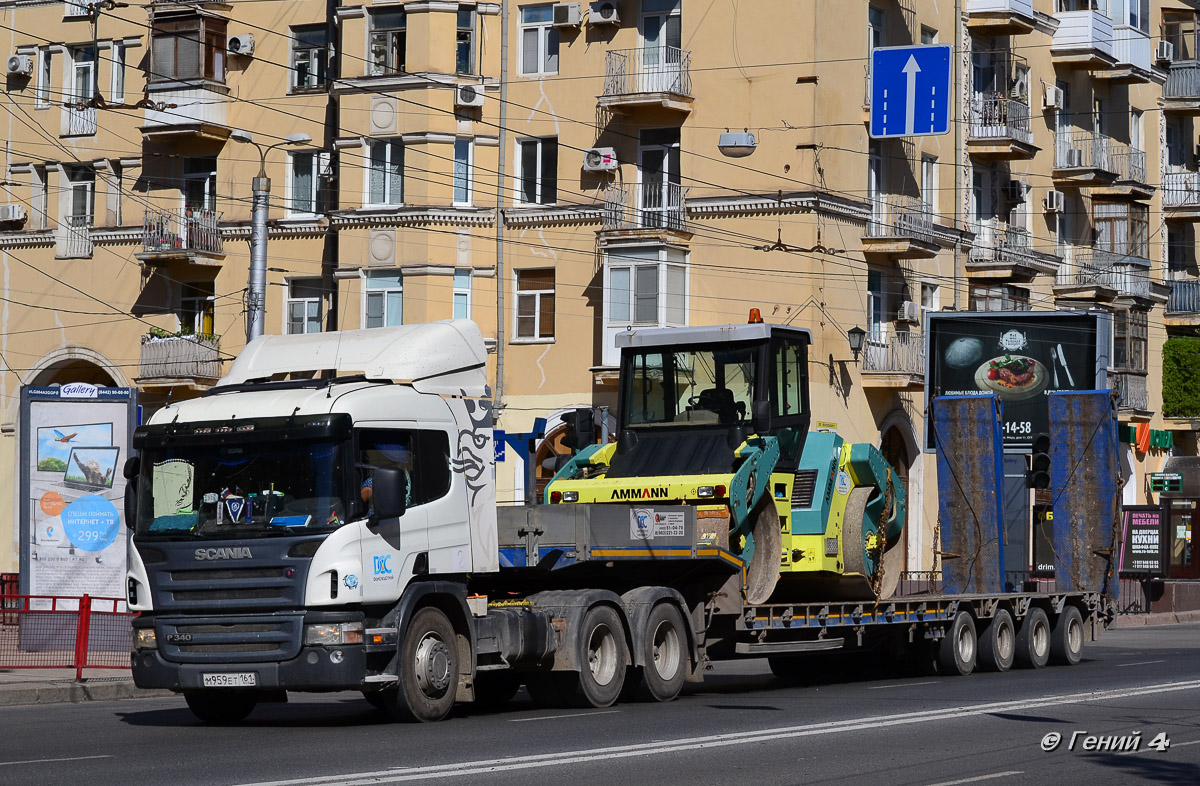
(1033, 640)
(495, 689)
(958, 649)
(428, 670)
(603, 657)
(998, 643)
(220, 707)
(664, 653)
(1066, 642)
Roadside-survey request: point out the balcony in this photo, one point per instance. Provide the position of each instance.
(1183, 303)
(1133, 50)
(179, 361)
(188, 236)
(1000, 17)
(78, 120)
(1128, 163)
(659, 213)
(1182, 91)
(1181, 196)
(1083, 158)
(894, 361)
(1131, 390)
(1083, 39)
(74, 240)
(187, 113)
(1097, 274)
(650, 77)
(900, 227)
(1000, 129)
(1005, 254)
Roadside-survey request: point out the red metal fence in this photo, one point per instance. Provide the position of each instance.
(43, 632)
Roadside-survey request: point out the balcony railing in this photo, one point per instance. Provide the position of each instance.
(897, 353)
(1132, 47)
(1183, 81)
(1181, 189)
(177, 231)
(180, 357)
(1083, 150)
(664, 69)
(1128, 163)
(659, 206)
(75, 240)
(1082, 32)
(999, 117)
(1002, 245)
(1184, 297)
(1022, 7)
(1125, 274)
(1131, 390)
(900, 216)
(79, 120)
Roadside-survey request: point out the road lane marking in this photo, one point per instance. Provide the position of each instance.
(901, 685)
(979, 778)
(556, 717)
(1140, 663)
(1148, 750)
(511, 763)
(51, 761)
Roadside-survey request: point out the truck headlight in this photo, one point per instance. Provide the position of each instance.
(705, 491)
(333, 633)
(144, 639)
(570, 496)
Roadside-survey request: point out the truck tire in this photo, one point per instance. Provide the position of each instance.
(664, 653)
(998, 643)
(1066, 642)
(602, 658)
(495, 689)
(959, 647)
(428, 669)
(220, 707)
(1033, 640)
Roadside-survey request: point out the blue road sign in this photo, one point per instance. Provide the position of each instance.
(498, 443)
(910, 91)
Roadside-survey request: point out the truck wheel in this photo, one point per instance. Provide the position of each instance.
(958, 649)
(665, 654)
(1066, 643)
(1033, 640)
(602, 656)
(428, 670)
(495, 689)
(998, 643)
(220, 707)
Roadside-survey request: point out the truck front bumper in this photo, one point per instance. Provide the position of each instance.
(315, 669)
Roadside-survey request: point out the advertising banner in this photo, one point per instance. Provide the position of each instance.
(1020, 357)
(1143, 542)
(74, 441)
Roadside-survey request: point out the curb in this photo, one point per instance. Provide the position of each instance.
(1155, 620)
(76, 692)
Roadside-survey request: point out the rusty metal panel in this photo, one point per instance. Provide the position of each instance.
(970, 466)
(1085, 483)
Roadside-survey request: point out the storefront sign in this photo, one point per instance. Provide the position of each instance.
(1143, 542)
(1170, 482)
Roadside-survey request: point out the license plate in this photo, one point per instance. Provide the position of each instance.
(245, 679)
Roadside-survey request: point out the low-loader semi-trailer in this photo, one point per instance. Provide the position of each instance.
(325, 519)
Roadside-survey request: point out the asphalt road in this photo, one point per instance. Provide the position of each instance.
(740, 726)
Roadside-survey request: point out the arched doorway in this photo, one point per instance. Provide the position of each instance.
(73, 370)
(552, 444)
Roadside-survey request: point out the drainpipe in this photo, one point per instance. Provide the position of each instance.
(498, 393)
(329, 252)
(958, 164)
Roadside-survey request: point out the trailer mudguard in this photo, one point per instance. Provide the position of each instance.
(571, 606)
(638, 604)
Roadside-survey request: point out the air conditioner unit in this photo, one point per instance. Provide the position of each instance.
(20, 65)
(241, 44)
(468, 95)
(1054, 202)
(1164, 52)
(604, 13)
(600, 159)
(1052, 97)
(567, 14)
(1014, 191)
(909, 312)
(12, 213)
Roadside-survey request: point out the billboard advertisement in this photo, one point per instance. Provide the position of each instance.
(74, 441)
(1020, 356)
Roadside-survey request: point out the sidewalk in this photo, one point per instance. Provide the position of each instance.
(1152, 620)
(58, 686)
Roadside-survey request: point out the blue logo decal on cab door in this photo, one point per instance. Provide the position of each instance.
(383, 565)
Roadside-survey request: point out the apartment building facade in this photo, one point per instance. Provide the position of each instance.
(553, 171)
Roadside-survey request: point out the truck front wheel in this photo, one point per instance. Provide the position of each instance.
(220, 706)
(602, 657)
(428, 670)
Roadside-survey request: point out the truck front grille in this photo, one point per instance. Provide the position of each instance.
(242, 639)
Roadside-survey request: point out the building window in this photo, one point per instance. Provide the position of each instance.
(537, 171)
(880, 307)
(1136, 128)
(645, 289)
(42, 90)
(535, 304)
(83, 66)
(387, 41)
(384, 299)
(385, 173)
(931, 297)
(462, 171)
(929, 183)
(304, 305)
(40, 198)
(999, 298)
(464, 43)
(200, 183)
(310, 54)
(539, 41)
(462, 293)
(192, 48)
(1129, 340)
(928, 35)
(116, 87)
(196, 308)
(1122, 228)
(83, 195)
(303, 191)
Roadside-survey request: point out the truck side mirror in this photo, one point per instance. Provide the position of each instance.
(581, 428)
(761, 417)
(133, 466)
(389, 492)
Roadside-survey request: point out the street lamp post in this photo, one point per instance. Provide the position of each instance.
(256, 285)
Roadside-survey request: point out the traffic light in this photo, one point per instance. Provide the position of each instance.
(580, 429)
(1038, 476)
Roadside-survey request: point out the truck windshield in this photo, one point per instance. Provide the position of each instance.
(694, 386)
(230, 490)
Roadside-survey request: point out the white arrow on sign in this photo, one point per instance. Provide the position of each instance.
(910, 70)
